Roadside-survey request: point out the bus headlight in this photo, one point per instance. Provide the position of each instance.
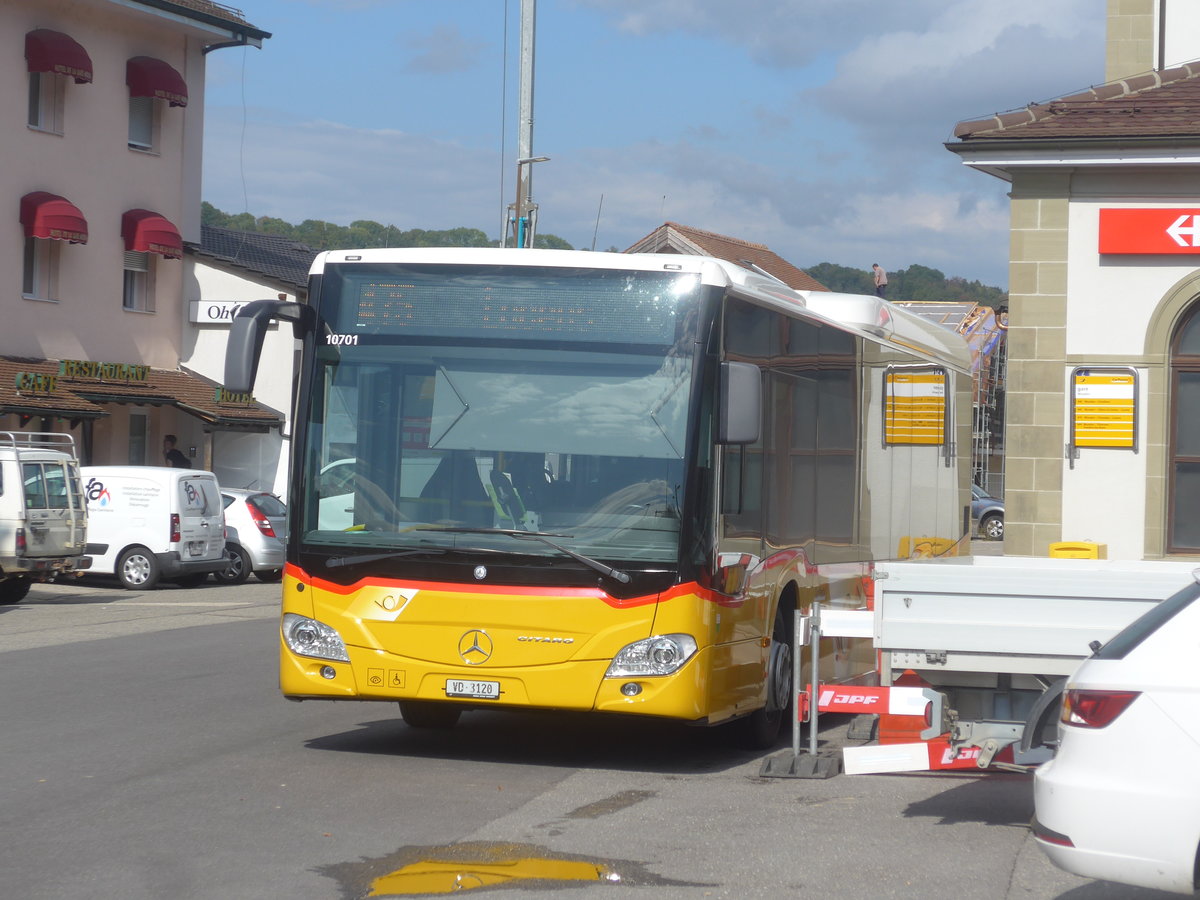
(661, 655)
(308, 637)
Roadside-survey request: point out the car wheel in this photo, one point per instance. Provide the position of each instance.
(238, 569)
(137, 569)
(426, 714)
(760, 729)
(270, 576)
(993, 527)
(13, 590)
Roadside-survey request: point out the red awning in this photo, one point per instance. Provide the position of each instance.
(47, 215)
(148, 232)
(53, 51)
(150, 77)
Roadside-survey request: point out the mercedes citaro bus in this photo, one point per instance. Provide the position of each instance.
(564, 480)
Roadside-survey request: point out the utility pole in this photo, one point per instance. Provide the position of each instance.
(524, 210)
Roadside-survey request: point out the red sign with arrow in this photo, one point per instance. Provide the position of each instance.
(1150, 231)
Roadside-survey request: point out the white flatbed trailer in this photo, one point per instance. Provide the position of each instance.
(994, 638)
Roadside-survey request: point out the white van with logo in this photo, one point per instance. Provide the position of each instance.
(43, 519)
(153, 523)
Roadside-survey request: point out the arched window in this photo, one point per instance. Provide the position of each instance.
(1183, 509)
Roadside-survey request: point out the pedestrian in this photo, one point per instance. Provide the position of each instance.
(880, 280)
(173, 456)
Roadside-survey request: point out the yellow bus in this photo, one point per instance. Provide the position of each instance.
(564, 480)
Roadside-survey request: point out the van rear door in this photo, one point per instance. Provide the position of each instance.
(55, 520)
(201, 518)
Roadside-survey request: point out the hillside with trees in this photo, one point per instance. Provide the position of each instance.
(361, 234)
(913, 283)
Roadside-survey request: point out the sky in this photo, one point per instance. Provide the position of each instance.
(815, 127)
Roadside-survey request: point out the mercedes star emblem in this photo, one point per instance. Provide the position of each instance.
(475, 647)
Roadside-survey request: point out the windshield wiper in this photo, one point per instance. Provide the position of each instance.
(334, 561)
(543, 537)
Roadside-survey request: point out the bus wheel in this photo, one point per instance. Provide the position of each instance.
(424, 714)
(760, 729)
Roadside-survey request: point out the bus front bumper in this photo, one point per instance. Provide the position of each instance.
(375, 675)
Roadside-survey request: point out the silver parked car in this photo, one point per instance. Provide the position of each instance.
(257, 529)
(988, 511)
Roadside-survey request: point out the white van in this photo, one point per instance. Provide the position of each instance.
(147, 523)
(42, 517)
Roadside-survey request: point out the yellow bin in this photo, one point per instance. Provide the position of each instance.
(1079, 550)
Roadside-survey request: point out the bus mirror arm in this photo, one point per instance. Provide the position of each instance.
(246, 335)
(740, 413)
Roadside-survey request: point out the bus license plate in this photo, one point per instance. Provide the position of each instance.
(479, 690)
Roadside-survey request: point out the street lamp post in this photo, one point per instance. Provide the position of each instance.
(525, 210)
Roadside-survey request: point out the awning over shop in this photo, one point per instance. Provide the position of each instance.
(147, 232)
(81, 389)
(53, 51)
(47, 215)
(150, 77)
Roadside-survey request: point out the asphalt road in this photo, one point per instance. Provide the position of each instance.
(147, 754)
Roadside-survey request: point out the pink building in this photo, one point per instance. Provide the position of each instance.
(103, 102)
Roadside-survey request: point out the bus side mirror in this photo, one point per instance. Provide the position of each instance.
(246, 335)
(740, 415)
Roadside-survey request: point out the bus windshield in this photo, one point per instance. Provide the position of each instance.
(454, 404)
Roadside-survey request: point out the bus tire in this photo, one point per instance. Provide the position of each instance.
(13, 590)
(760, 729)
(426, 714)
(137, 569)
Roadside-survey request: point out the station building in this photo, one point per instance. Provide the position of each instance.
(1102, 417)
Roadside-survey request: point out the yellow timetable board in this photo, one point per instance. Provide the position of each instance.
(1104, 408)
(915, 411)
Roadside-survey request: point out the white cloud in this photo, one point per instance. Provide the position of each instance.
(441, 51)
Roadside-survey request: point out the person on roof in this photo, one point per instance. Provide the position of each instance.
(880, 280)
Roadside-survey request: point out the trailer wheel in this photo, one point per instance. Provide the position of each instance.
(137, 569)
(13, 590)
(426, 714)
(760, 729)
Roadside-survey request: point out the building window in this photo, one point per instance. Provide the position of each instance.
(47, 97)
(40, 270)
(143, 123)
(1183, 512)
(139, 282)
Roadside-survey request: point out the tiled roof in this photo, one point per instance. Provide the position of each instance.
(675, 238)
(267, 255)
(37, 387)
(207, 11)
(1161, 104)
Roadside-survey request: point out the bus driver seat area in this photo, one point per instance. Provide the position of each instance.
(457, 493)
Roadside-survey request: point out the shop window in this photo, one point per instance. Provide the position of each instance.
(47, 99)
(139, 282)
(39, 279)
(143, 123)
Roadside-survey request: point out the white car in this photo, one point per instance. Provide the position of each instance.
(1120, 801)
